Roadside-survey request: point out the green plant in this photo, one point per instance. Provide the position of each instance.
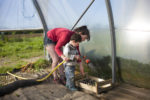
(15, 47)
(40, 64)
(4, 69)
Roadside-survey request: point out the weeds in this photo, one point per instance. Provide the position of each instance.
(40, 64)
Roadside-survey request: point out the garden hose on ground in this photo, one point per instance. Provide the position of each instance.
(42, 79)
(16, 76)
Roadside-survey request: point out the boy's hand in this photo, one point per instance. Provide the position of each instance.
(77, 57)
(64, 58)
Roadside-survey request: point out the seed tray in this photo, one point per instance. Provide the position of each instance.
(93, 84)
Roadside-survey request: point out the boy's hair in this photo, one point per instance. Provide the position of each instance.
(76, 37)
(84, 31)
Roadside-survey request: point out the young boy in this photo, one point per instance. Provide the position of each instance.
(70, 51)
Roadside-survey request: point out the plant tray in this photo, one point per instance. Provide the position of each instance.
(93, 84)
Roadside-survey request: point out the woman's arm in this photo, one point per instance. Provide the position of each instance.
(81, 68)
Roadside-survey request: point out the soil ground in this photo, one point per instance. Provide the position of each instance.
(51, 91)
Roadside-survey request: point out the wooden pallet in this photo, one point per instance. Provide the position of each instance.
(99, 85)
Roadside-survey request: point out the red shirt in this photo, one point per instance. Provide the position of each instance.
(61, 36)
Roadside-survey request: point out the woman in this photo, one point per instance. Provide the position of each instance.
(56, 39)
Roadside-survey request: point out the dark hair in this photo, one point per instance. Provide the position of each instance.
(84, 31)
(76, 37)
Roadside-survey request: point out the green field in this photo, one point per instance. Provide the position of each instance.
(15, 51)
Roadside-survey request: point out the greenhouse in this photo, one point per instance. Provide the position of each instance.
(118, 51)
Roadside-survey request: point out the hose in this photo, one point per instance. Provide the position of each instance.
(38, 80)
(42, 79)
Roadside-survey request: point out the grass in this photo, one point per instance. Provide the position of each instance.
(14, 50)
(40, 64)
(37, 65)
(9, 68)
(20, 48)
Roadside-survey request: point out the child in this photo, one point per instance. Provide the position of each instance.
(70, 51)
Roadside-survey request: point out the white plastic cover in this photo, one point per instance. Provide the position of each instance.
(132, 24)
(62, 13)
(18, 15)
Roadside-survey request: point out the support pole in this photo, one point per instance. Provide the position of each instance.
(83, 14)
(113, 40)
(42, 20)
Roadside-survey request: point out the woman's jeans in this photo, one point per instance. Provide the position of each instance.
(69, 72)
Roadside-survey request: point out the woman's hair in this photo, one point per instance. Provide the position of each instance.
(76, 37)
(84, 31)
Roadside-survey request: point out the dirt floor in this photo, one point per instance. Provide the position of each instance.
(127, 92)
(47, 91)
(50, 91)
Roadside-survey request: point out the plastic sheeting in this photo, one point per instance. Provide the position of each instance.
(132, 25)
(62, 13)
(18, 15)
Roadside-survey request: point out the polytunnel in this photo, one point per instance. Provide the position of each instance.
(120, 43)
